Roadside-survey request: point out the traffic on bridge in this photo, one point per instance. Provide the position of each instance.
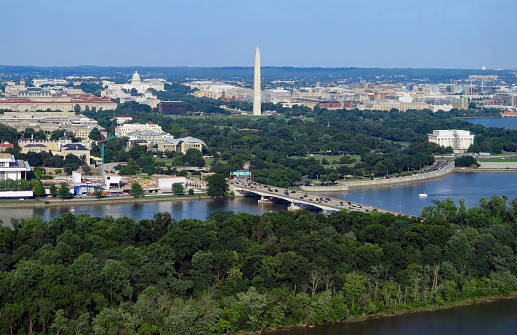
(299, 198)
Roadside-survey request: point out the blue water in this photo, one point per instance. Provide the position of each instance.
(457, 185)
(508, 123)
(403, 197)
(493, 318)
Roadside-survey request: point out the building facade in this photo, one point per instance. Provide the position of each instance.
(459, 140)
(10, 168)
(128, 128)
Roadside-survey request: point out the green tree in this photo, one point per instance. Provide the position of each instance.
(466, 161)
(98, 192)
(95, 134)
(136, 190)
(64, 191)
(39, 190)
(53, 190)
(177, 188)
(86, 168)
(217, 185)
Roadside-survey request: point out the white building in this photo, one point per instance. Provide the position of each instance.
(459, 140)
(10, 168)
(182, 144)
(123, 90)
(127, 128)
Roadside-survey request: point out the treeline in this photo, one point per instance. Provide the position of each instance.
(353, 74)
(239, 272)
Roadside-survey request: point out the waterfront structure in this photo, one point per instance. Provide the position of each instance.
(11, 168)
(458, 140)
(257, 106)
(509, 114)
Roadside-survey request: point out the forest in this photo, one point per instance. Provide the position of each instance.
(237, 272)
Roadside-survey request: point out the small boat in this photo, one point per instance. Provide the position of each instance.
(422, 195)
(72, 210)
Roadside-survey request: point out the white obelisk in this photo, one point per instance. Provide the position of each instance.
(257, 109)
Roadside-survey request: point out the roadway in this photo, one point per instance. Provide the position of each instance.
(300, 197)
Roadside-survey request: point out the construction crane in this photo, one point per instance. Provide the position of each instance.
(102, 155)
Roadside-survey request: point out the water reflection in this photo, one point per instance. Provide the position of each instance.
(402, 197)
(487, 318)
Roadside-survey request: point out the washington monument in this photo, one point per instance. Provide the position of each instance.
(257, 110)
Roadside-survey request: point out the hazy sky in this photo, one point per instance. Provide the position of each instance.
(323, 33)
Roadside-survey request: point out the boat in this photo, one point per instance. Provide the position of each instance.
(422, 195)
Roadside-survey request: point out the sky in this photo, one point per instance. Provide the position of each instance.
(299, 33)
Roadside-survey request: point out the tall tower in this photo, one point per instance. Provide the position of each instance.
(257, 108)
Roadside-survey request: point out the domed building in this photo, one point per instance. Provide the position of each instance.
(135, 80)
(122, 91)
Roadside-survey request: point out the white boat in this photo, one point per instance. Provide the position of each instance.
(422, 195)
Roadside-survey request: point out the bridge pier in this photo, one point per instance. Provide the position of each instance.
(264, 200)
(292, 207)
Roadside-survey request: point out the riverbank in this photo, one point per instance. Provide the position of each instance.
(430, 308)
(107, 200)
(417, 176)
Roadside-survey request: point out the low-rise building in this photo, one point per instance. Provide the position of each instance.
(11, 168)
(181, 144)
(121, 119)
(30, 101)
(172, 107)
(127, 128)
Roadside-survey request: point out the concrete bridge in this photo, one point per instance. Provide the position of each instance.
(298, 199)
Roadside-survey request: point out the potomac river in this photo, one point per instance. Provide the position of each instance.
(498, 317)
(401, 197)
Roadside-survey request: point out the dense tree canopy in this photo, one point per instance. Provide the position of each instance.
(239, 272)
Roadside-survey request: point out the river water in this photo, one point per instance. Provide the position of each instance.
(508, 123)
(499, 317)
(402, 197)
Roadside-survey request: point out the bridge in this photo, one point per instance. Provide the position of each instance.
(300, 198)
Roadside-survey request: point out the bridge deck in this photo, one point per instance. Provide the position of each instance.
(301, 197)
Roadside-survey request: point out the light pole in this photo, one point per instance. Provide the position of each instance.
(380, 203)
(400, 208)
(362, 199)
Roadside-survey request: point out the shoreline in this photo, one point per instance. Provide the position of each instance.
(71, 202)
(430, 308)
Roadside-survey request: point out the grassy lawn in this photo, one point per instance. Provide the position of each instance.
(331, 159)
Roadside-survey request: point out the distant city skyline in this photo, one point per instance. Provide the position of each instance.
(298, 33)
